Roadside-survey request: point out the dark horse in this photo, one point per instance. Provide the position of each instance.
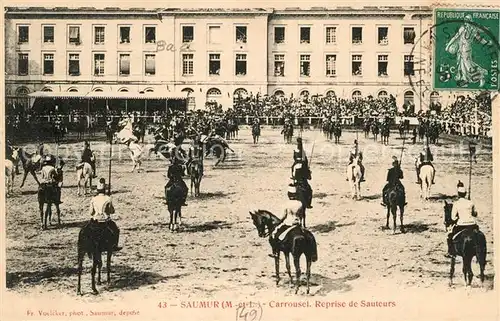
(217, 147)
(255, 132)
(375, 130)
(396, 198)
(28, 166)
(298, 241)
(384, 133)
(467, 244)
(93, 239)
(196, 174)
(174, 197)
(366, 127)
(337, 132)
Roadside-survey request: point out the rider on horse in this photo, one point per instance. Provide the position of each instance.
(394, 175)
(301, 173)
(9, 153)
(174, 174)
(465, 214)
(355, 152)
(424, 158)
(88, 157)
(101, 208)
(195, 153)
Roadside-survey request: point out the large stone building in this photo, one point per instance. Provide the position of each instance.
(216, 54)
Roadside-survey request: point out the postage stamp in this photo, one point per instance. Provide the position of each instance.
(466, 49)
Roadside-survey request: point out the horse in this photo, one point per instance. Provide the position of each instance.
(82, 124)
(421, 132)
(401, 129)
(395, 199)
(384, 133)
(366, 128)
(126, 133)
(28, 165)
(84, 172)
(426, 175)
(93, 239)
(467, 244)
(174, 196)
(51, 194)
(136, 155)
(255, 132)
(196, 174)
(110, 130)
(217, 146)
(59, 130)
(353, 173)
(375, 130)
(298, 241)
(326, 129)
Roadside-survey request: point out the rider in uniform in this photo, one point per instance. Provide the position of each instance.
(301, 172)
(424, 158)
(465, 214)
(88, 157)
(355, 152)
(174, 174)
(101, 208)
(394, 175)
(195, 153)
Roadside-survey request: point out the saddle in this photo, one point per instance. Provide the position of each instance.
(469, 230)
(281, 231)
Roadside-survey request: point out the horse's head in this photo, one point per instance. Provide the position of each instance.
(448, 206)
(261, 220)
(15, 154)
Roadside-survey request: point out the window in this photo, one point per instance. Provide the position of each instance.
(48, 34)
(124, 64)
(214, 64)
(187, 64)
(304, 94)
(213, 93)
(279, 93)
(409, 66)
(382, 94)
(73, 90)
(239, 94)
(241, 34)
(74, 35)
(149, 64)
(383, 36)
(150, 34)
(383, 61)
(356, 95)
(408, 97)
(74, 64)
(23, 34)
(331, 68)
(214, 34)
(98, 35)
(357, 35)
(48, 64)
(330, 93)
(187, 34)
(305, 34)
(279, 34)
(409, 35)
(305, 65)
(124, 34)
(279, 65)
(356, 65)
(241, 64)
(98, 64)
(22, 64)
(331, 35)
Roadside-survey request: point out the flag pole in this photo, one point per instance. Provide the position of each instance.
(472, 152)
(109, 169)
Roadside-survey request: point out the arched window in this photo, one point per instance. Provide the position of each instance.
(330, 93)
(356, 94)
(123, 90)
(47, 89)
(22, 91)
(239, 93)
(73, 90)
(148, 90)
(279, 93)
(213, 92)
(98, 90)
(409, 97)
(434, 96)
(189, 90)
(382, 94)
(304, 93)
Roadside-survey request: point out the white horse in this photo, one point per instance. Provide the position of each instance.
(353, 173)
(135, 154)
(426, 176)
(10, 172)
(126, 133)
(84, 173)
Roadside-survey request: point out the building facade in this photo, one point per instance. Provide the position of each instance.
(219, 54)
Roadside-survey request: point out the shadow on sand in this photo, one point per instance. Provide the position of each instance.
(328, 227)
(214, 225)
(328, 285)
(417, 227)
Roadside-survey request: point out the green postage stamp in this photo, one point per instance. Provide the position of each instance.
(466, 49)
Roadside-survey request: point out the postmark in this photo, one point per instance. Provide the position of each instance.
(466, 51)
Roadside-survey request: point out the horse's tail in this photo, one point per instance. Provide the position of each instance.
(297, 241)
(481, 248)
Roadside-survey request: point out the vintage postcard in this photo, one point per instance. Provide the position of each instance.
(249, 160)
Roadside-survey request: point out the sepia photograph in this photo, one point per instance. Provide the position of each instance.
(255, 160)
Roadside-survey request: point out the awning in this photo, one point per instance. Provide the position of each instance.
(110, 95)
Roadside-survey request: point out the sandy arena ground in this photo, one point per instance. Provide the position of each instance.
(218, 252)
